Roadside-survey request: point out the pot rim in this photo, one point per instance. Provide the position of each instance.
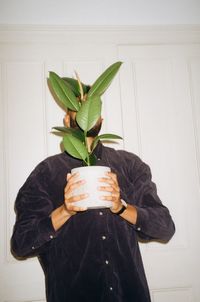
(90, 168)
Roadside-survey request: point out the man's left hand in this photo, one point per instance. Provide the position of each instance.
(111, 186)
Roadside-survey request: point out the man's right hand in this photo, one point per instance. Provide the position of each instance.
(60, 215)
(73, 183)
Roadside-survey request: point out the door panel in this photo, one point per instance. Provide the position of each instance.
(162, 114)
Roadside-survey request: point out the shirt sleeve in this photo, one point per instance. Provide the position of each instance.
(153, 218)
(33, 230)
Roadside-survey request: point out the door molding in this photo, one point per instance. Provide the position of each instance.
(157, 34)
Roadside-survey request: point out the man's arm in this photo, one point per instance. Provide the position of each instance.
(150, 217)
(112, 186)
(37, 224)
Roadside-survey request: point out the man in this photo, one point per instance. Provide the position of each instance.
(90, 255)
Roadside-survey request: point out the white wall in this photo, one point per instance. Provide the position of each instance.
(100, 12)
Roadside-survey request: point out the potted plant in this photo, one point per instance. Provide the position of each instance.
(85, 100)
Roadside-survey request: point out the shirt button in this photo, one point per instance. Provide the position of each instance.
(100, 213)
(103, 237)
(51, 236)
(110, 288)
(106, 262)
(33, 247)
(139, 229)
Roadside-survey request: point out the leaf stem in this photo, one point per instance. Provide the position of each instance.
(80, 85)
(87, 147)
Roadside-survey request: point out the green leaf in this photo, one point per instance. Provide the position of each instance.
(104, 136)
(93, 159)
(63, 92)
(86, 88)
(73, 84)
(75, 132)
(89, 113)
(63, 129)
(75, 147)
(105, 79)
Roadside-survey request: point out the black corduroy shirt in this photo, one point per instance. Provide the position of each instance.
(94, 256)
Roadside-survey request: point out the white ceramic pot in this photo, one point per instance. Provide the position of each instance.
(91, 175)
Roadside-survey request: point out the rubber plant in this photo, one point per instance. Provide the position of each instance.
(86, 101)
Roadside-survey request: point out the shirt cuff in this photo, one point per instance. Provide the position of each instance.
(142, 218)
(46, 229)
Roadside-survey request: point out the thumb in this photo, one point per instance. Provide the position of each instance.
(68, 176)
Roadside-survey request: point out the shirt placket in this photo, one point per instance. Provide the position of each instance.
(106, 257)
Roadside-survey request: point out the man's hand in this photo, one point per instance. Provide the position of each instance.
(60, 215)
(111, 186)
(69, 200)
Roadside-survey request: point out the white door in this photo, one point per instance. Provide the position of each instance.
(28, 113)
(161, 116)
(157, 108)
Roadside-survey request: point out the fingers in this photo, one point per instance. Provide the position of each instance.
(112, 183)
(69, 199)
(76, 198)
(68, 176)
(70, 206)
(111, 186)
(71, 186)
(71, 178)
(72, 182)
(110, 179)
(113, 197)
(113, 176)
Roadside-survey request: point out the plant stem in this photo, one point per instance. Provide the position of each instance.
(87, 147)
